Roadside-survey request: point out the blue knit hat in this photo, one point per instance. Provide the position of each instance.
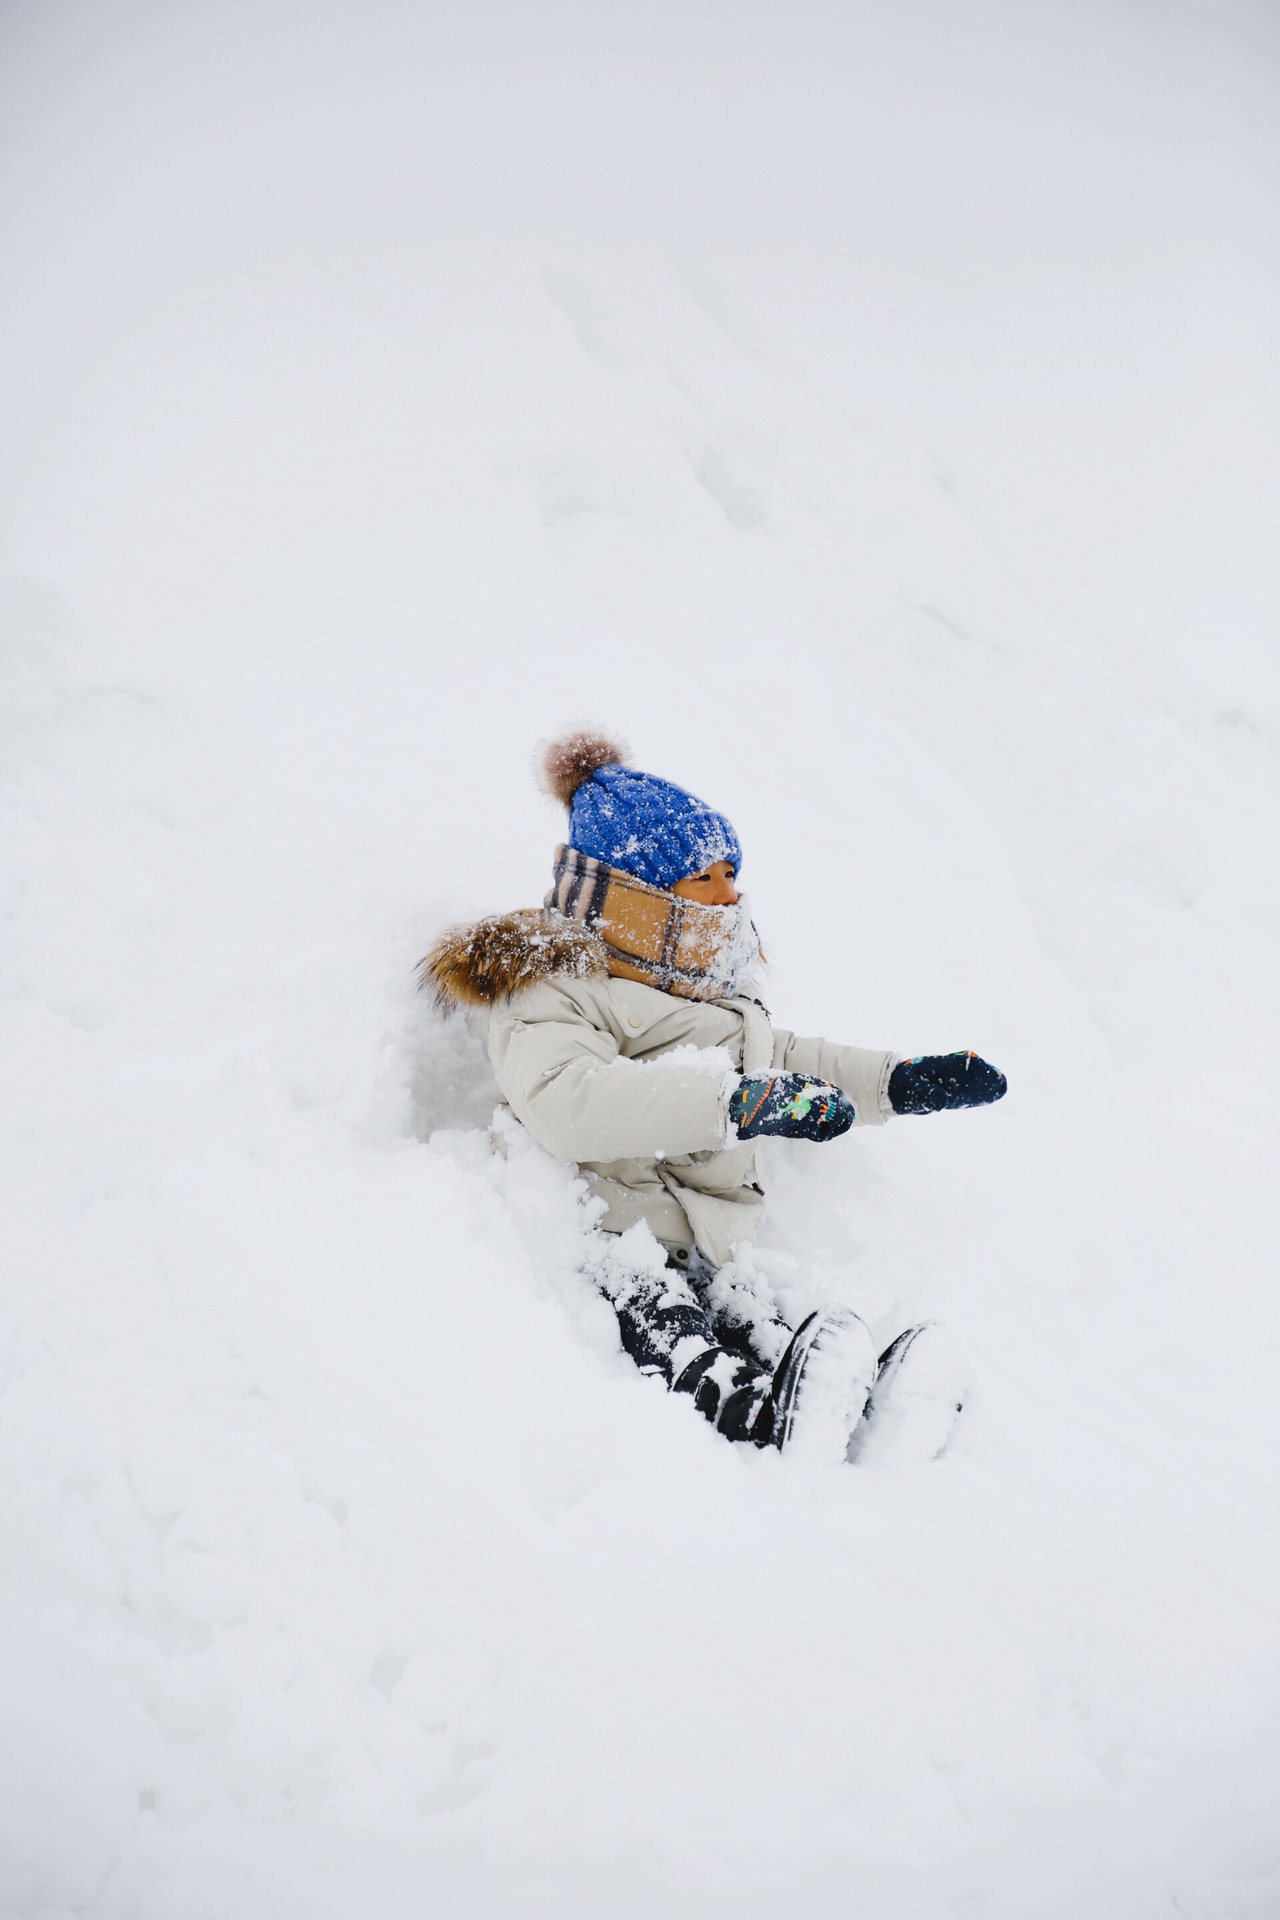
(644, 825)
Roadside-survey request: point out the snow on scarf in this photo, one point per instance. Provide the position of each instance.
(681, 946)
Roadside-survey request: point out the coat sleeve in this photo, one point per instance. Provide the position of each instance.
(862, 1072)
(582, 1099)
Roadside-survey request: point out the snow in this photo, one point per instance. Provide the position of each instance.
(872, 414)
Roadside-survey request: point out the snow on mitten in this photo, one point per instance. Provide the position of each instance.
(938, 1080)
(791, 1105)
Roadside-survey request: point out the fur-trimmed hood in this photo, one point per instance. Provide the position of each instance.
(489, 961)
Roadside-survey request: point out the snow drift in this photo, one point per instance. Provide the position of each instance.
(890, 456)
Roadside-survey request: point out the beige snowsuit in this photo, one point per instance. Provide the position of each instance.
(632, 1083)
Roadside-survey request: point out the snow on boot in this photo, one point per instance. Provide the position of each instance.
(665, 1329)
(821, 1385)
(732, 1393)
(921, 1384)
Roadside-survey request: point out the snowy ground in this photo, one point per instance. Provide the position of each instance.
(890, 455)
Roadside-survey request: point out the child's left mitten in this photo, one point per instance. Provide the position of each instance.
(937, 1081)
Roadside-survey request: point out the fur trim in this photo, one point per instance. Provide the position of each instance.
(474, 966)
(567, 763)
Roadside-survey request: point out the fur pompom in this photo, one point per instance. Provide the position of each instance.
(474, 966)
(567, 763)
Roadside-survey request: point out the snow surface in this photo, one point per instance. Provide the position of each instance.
(872, 412)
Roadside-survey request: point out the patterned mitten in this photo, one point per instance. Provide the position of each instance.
(792, 1105)
(938, 1080)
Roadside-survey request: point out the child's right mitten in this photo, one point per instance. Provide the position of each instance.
(791, 1105)
(939, 1080)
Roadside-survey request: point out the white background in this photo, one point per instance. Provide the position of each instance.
(871, 412)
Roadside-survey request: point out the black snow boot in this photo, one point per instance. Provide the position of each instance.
(733, 1393)
(666, 1330)
(808, 1404)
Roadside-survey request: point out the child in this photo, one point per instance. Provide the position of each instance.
(626, 1035)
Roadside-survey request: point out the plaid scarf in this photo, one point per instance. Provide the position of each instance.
(680, 946)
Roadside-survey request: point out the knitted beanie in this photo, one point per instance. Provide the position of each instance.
(646, 826)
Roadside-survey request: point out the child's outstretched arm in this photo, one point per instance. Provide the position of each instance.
(861, 1072)
(581, 1098)
(881, 1085)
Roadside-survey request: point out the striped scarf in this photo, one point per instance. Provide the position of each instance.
(680, 946)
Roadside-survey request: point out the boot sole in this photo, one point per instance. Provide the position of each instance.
(918, 1396)
(821, 1386)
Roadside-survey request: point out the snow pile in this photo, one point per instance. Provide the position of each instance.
(349, 1565)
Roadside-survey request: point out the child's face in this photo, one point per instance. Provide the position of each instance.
(714, 887)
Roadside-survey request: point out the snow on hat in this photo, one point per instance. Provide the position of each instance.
(648, 827)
